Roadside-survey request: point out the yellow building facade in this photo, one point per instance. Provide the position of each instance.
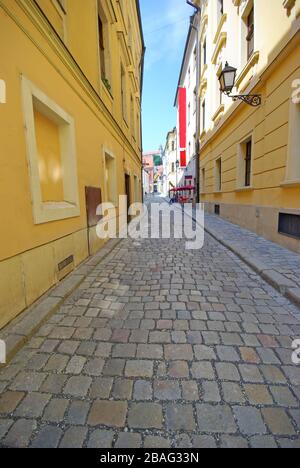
(70, 134)
(250, 156)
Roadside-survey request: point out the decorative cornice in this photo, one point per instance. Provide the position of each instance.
(219, 113)
(125, 51)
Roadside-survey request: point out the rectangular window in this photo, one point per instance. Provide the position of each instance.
(244, 167)
(132, 116)
(136, 189)
(203, 116)
(195, 58)
(289, 224)
(173, 167)
(248, 163)
(189, 114)
(195, 100)
(293, 152)
(218, 175)
(102, 48)
(203, 181)
(123, 93)
(250, 33)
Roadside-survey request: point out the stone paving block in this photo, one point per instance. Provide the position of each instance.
(114, 367)
(215, 419)
(20, 433)
(166, 390)
(211, 338)
(74, 437)
(94, 367)
(159, 337)
(204, 442)
(284, 397)
(68, 347)
(9, 401)
(77, 413)
(103, 350)
(258, 394)
(139, 368)
(233, 442)
(48, 437)
(145, 416)
(273, 375)
(75, 365)
(33, 405)
(227, 353)
(101, 439)
(156, 442)
(78, 386)
(101, 388)
(124, 351)
(227, 371)
(128, 440)
(147, 351)
(210, 392)
(5, 425)
(292, 373)
(142, 390)
(251, 373)
(203, 370)
(178, 370)
(193, 337)
(86, 348)
(232, 393)
(249, 355)
(179, 352)
(190, 391)
(108, 413)
(278, 421)
(204, 353)
(180, 417)
(54, 383)
(37, 362)
(55, 410)
(249, 420)
(122, 389)
(263, 442)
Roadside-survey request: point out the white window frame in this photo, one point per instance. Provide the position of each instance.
(44, 212)
(293, 149)
(241, 168)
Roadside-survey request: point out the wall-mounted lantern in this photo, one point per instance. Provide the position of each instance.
(227, 82)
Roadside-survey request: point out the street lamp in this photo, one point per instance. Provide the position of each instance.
(227, 82)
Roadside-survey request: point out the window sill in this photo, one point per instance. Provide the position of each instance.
(220, 26)
(217, 192)
(106, 91)
(245, 189)
(290, 183)
(218, 113)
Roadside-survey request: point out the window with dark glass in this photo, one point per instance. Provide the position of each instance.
(101, 48)
(248, 161)
(250, 33)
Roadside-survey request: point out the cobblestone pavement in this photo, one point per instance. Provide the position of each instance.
(271, 255)
(159, 347)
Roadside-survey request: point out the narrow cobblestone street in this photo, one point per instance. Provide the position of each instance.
(159, 347)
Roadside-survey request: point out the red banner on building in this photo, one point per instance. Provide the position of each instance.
(182, 125)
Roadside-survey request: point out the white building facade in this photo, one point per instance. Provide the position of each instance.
(188, 80)
(169, 162)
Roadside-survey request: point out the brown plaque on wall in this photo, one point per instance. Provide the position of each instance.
(93, 199)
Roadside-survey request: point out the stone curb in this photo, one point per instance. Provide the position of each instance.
(17, 333)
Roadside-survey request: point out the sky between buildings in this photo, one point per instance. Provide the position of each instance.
(165, 24)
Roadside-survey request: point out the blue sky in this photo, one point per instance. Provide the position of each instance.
(165, 24)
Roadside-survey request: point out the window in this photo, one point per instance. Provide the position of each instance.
(195, 57)
(248, 161)
(189, 76)
(218, 175)
(123, 93)
(110, 178)
(250, 33)
(195, 100)
(221, 7)
(203, 116)
(289, 224)
(203, 181)
(173, 167)
(101, 48)
(245, 163)
(132, 117)
(189, 114)
(173, 146)
(51, 152)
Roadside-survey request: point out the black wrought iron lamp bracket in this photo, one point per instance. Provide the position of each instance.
(253, 100)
